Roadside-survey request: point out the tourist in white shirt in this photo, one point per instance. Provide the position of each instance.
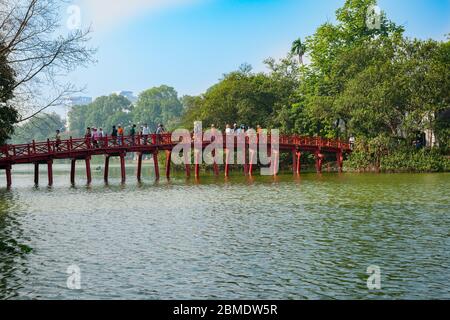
(145, 132)
(228, 130)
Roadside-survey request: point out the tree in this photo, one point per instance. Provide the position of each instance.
(384, 87)
(8, 114)
(243, 97)
(33, 46)
(39, 128)
(299, 48)
(103, 112)
(158, 105)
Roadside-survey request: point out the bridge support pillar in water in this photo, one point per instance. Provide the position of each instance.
(297, 162)
(245, 160)
(8, 176)
(227, 162)
(139, 167)
(36, 173)
(155, 163)
(251, 161)
(276, 163)
(88, 170)
(50, 172)
(319, 161)
(72, 171)
(340, 160)
(187, 164)
(197, 163)
(122, 167)
(216, 168)
(106, 171)
(168, 162)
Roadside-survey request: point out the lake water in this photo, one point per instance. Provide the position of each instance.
(311, 237)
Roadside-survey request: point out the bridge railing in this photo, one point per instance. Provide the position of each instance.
(51, 147)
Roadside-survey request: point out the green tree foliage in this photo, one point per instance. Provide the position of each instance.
(384, 87)
(103, 112)
(241, 97)
(39, 128)
(299, 49)
(158, 105)
(155, 105)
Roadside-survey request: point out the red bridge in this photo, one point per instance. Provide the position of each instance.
(83, 149)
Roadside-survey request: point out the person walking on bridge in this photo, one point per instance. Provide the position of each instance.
(58, 140)
(133, 134)
(120, 135)
(95, 137)
(145, 132)
(88, 136)
(159, 131)
(114, 135)
(101, 136)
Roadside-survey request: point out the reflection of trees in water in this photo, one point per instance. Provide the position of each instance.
(13, 269)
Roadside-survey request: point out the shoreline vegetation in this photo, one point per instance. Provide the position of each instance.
(389, 93)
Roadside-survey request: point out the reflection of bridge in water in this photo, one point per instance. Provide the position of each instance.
(83, 149)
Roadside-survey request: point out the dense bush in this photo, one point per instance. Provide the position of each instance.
(401, 160)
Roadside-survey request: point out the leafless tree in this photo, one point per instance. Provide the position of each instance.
(41, 51)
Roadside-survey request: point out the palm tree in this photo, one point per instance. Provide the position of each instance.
(299, 48)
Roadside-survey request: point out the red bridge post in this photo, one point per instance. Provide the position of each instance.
(88, 170)
(72, 171)
(106, 171)
(122, 166)
(197, 163)
(50, 172)
(319, 161)
(168, 163)
(340, 160)
(155, 161)
(215, 166)
(187, 163)
(294, 161)
(139, 167)
(8, 176)
(36, 173)
(251, 161)
(298, 162)
(188, 170)
(276, 163)
(227, 162)
(245, 158)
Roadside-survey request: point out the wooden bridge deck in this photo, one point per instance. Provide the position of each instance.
(83, 149)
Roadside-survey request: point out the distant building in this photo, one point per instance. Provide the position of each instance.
(127, 94)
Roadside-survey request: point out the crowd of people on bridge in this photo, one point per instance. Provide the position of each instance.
(98, 137)
(119, 135)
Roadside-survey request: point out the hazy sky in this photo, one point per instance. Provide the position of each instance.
(190, 44)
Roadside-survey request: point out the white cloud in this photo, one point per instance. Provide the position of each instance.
(106, 13)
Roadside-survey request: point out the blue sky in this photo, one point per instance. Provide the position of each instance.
(190, 44)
